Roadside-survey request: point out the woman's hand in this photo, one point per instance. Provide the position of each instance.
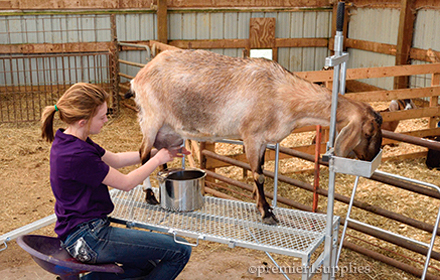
(164, 155)
(179, 152)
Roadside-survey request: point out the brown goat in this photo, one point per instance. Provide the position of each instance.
(204, 96)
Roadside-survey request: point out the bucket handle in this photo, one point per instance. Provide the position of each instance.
(200, 237)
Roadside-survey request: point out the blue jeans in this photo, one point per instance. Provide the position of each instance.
(143, 254)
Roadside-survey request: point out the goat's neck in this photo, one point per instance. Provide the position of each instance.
(314, 107)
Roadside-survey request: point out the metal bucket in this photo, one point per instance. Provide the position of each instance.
(181, 189)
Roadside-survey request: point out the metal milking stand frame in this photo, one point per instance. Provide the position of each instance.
(338, 61)
(354, 167)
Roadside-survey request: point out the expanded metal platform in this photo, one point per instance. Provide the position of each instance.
(235, 223)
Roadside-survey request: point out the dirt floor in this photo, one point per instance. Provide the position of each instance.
(26, 197)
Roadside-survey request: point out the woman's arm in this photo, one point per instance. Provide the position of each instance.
(119, 160)
(126, 182)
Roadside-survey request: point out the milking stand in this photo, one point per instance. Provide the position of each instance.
(354, 167)
(338, 61)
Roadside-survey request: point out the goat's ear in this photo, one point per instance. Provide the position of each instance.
(394, 106)
(348, 138)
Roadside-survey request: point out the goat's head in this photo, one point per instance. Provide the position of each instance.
(362, 135)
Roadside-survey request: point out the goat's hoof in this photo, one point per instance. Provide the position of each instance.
(150, 198)
(271, 220)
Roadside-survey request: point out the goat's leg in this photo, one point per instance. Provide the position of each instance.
(145, 155)
(255, 155)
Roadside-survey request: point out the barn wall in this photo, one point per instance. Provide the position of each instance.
(366, 23)
(381, 25)
(31, 81)
(376, 25)
(51, 29)
(426, 30)
(232, 25)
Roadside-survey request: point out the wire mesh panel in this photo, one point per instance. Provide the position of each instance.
(239, 223)
(28, 83)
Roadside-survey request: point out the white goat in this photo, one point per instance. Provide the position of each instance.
(204, 96)
(397, 105)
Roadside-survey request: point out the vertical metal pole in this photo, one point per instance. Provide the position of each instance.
(275, 178)
(328, 271)
(183, 158)
(332, 132)
(350, 206)
(316, 173)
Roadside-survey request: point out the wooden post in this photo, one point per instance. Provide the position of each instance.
(162, 21)
(404, 39)
(204, 161)
(114, 67)
(433, 101)
(316, 173)
(262, 35)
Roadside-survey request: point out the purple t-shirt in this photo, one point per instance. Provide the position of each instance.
(76, 175)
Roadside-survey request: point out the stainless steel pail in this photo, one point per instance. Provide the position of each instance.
(181, 189)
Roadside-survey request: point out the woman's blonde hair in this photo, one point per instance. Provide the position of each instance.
(79, 102)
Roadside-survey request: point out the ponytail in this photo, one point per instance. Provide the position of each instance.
(79, 102)
(47, 123)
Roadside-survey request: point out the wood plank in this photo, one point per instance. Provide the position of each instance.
(161, 46)
(152, 4)
(301, 42)
(370, 46)
(433, 101)
(388, 95)
(391, 71)
(425, 55)
(411, 114)
(55, 48)
(424, 133)
(7, 5)
(405, 156)
(204, 4)
(248, 3)
(357, 86)
(262, 33)
(67, 5)
(389, 49)
(243, 43)
(394, 4)
(162, 21)
(210, 44)
(374, 72)
(317, 76)
(404, 40)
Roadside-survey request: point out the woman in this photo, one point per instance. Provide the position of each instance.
(80, 171)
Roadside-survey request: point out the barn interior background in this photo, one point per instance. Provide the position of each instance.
(46, 46)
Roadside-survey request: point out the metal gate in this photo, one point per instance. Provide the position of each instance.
(28, 83)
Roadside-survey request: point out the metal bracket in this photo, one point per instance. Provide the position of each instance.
(6, 245)
(200, 237)
(328, 155)
(336, 59)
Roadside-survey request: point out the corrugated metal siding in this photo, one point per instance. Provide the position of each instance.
(376, 25)
(182, 26)
(235, 25)
(231, 25)
(135, 27)
(30, 82)
(425, 36)
(51, 29)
